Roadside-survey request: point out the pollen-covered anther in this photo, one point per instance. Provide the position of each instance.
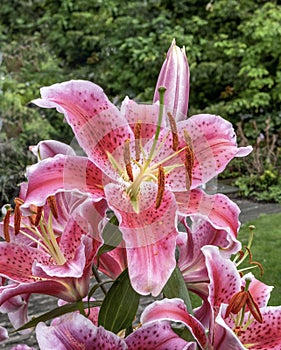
(6, 222)
(161, 186)
(174, 130)
(17, 214)
(137, 134)
(53, 206)
(127, 160)
(38, 216)
(240, 300)
(188, 163)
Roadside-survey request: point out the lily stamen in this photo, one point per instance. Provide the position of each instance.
(53, 206)
(39, 212)
(17, 214)
(137, 134)
(174, 130)
(6, 223)
(161, 186)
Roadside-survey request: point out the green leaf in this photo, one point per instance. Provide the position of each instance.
(59, 311)
(112, 236)
(176, 288)
(120, 305)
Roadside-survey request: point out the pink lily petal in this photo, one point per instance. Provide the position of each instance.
(174, 310)
(3, 334)
(16, 308)
(224, 277)
(96, 122)
(259, 291)
(224, 337)
(146, 114)
(50, 148)
(157, 336)
(150, 236)
(265, 335)
(218, 209)
(75, 332)
(174, 75)
(62, 173)
(12, 254)
(214, 143)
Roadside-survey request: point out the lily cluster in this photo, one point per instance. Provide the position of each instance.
(130, 206)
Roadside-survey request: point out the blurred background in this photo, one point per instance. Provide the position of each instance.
(233, 48)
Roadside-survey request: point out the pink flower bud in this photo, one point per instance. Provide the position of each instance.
(174, 76)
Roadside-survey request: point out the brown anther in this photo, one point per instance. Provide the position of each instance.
(188, 163)
(53, 206)
(239, 300)
(174, 130)
(161, 186)
(38, 216)
(17, 214)
(236, 302)
(127, 160)
(254, 308)
(6, 222)
(137, 134)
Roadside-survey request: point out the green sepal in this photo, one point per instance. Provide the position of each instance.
(120, 305)
(176, 288)
(59, 311)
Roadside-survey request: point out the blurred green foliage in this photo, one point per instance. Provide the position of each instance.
(232, 47)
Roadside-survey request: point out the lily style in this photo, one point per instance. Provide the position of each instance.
(144, 163)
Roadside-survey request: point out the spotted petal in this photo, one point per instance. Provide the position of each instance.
(214, 143)
(218, 209)
(74, 331)
(62, 173)
(157, 336)
(97, 124)
(150, 236)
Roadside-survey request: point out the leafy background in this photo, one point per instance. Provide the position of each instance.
(232, 47)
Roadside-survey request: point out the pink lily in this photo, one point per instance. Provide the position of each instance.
(141, 167)
(54, 259)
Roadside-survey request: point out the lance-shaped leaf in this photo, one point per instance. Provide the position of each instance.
(120, 305)
(176, 288)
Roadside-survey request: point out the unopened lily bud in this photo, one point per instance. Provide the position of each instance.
(174, 75)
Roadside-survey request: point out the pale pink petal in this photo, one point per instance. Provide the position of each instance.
(146, 114)
(75, 332)
(218, 209)
(96, 122)
(174, 310)
(259, 291)
(62, 173)
(16, 261)
(224, 337)
(224, 277)
(113, 263)
(157, 336)
(214, 143)
(174, 76)
(265, 335)
(3, 334)
(150, 235)
(50, 148)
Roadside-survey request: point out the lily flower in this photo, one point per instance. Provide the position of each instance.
(144, 164)
(55, 258)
